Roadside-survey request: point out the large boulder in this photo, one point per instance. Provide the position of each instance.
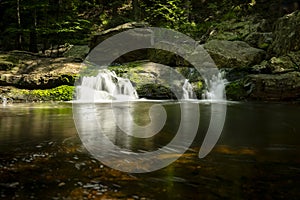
(30, 71)
(278, 65)
(77, 52)
(100, 36)
(286, 34)
(110, 50)
(158, 81)
(232, 54)
(277, 87)
(233, 29)
(265, 87)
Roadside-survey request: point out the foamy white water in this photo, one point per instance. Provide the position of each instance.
(215, 88)
(104, 87)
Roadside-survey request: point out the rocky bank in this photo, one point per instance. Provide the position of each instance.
(261, 62)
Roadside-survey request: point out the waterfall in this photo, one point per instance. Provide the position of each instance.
(105, 86)
(4, 101)
(187, 90)
(215, 87)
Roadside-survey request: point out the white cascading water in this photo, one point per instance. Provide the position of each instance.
(4, 101)
(215, 87)
(187, 90)
(108, 86)
(105, 86)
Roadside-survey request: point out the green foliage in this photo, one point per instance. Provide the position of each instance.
(41, 24)
(124, 68)
(48, 23)
(236, 90)
(170, 14)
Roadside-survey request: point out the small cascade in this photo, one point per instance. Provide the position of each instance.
(215, 87)
(105, 86)
(187, 90)
(4, 101)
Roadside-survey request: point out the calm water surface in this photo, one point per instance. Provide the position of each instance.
(256, 157)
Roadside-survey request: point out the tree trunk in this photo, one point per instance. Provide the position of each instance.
(136, 11)
(19, 32)
(33, 34)
(187, 10)
(45, 36)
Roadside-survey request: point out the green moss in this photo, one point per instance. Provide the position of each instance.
(61, 93)
(263, 45)
(236, 90)
(155, 91)
(124, 68)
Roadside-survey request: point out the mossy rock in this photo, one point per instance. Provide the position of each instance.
(155, 91)
(61, 93)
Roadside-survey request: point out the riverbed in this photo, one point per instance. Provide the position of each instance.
(256, 157)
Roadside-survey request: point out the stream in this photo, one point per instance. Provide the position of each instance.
(256, 156)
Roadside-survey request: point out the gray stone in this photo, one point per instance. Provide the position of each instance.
(232, 54)
(231, 30)
(260, 40)
(77, 52)
(100, 36)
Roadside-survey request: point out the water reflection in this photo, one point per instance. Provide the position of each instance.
(29, 124)
(100, 126)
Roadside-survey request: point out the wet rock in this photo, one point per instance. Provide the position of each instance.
(61, 184)
(155, 91)
(238, 90)
(232, 54)
(286, 34)
(157, 81)
(275, 87)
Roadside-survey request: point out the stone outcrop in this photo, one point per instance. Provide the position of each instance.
(286, 34)
(275, 87)
(103, 35)
(276, 79)
(231, 30)
(232, 54)
(36, 72)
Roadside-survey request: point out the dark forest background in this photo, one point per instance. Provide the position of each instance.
(38, 25)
